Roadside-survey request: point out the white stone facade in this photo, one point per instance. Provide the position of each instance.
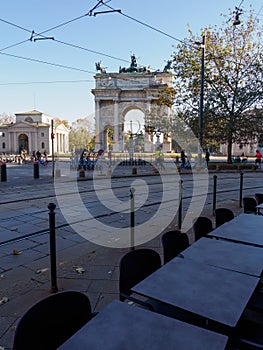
(32, 131)
(118, 93)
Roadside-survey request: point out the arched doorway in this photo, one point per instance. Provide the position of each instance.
(133, 130)
(23, 142)
(108, 138)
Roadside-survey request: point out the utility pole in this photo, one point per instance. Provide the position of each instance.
(52, 146)
(201, 107)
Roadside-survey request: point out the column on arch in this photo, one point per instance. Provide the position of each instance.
(116, 140)
(148, 142)
(97, 125)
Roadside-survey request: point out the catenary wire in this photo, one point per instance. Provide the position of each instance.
(50, 82)
(144, 24)
(46, 62)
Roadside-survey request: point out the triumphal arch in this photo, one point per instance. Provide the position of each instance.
(133, 88)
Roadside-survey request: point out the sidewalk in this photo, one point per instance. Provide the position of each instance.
(25, 265)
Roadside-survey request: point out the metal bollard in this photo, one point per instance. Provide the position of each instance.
(52, 241)
(180, 208)
(241, 189)
(82, 173)
(214, 194)
(134, 171)
(132, 218)
(3, 171)
(57, 173)
(36, 169)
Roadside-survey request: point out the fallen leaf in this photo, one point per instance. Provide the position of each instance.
(16, 252)
(79, 269)
(42, 270)
(4, 300)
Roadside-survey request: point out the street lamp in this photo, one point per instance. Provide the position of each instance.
(201, 106)
(131, 140)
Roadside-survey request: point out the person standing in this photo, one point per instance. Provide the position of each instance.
(207, 157)
(183, 156)
(258, 158)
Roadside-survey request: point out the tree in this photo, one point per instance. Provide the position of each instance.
(7, 118)
(80, 134)
(232, 82)
(60, 121)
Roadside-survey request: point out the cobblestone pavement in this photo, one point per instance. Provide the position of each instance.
(81, 265)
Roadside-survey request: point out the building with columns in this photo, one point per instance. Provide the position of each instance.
(118, 93)
(31, 131)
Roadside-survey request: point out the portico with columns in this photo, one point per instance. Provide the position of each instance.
(31, 132)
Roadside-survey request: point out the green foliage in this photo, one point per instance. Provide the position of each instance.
(233, 82)
(157, 118)
(80, 134)
(166, 97)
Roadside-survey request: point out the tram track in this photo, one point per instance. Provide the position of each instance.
(187, 184)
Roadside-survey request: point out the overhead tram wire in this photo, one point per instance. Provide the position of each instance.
(48, 30)
(143, 23)
(49, 82)
(45, 62)
(58, 41)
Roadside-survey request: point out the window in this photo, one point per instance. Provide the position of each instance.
(43, 145)
(42, 134)
(3, 145)
(3, 134)
(29, 120)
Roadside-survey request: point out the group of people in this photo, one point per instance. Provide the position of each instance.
(186, 160)
(88, 160)
(37, 156)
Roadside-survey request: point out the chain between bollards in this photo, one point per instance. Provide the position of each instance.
(132, 218)
(52, 241)
(241, 189)
(214, 194)
(180, 208)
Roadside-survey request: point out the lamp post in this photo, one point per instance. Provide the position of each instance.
(131, 143)
(131, 140)
(52, 147)
(201, 106)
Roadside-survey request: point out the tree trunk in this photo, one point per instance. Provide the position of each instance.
(229, 152)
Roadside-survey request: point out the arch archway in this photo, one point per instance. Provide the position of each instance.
(116, 94)
(23, 142)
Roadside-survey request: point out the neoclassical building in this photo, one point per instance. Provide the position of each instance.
(32, 131)
(116, 94)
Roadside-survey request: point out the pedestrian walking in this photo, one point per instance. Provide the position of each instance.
(258, 158)
(207, 157)
(183, 156)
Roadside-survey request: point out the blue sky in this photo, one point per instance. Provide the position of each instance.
(66, 93)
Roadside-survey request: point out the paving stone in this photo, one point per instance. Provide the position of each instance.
(12, 261)
(27, 276)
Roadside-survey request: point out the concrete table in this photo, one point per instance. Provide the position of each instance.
(259, 208)
(213, 293)
(228, 255)
(244, 228)
(121, 326)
